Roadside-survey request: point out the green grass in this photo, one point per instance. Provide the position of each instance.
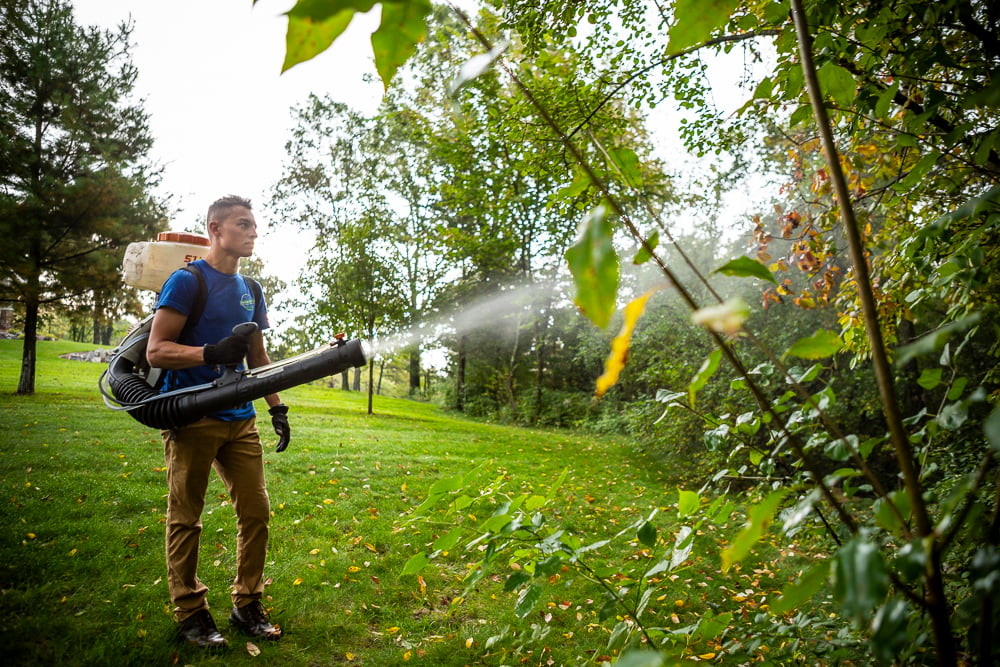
(82, 574)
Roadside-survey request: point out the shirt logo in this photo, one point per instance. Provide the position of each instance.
(247, 302)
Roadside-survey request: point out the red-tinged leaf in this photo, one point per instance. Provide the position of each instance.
(252, 649)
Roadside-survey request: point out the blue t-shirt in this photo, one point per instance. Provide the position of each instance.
(229, 301)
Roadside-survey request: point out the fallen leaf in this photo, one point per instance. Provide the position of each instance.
(252, 649)
(297, 581)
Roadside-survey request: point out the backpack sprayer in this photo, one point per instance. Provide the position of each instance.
(128, 383)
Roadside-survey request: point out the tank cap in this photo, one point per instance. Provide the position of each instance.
(184, 237)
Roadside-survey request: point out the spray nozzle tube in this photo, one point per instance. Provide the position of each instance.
(179, 408)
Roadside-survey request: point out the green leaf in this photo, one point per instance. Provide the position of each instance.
(416, 563)
(889, 630)
(820, 345)
(640, 658)
(860, 578)
(953, 415)
(647, 534)
(307, 37)
(527, 599)
(932, 342)
(687, 503)
(516, 580)
(838, 83)
(991, 427)
(746, 267)
(626, 161)
(711, 626)
(320, 10)
(807, 586)
(704, 374)
(448, 541)
(696, 20)
(683, 545)
(403, 26)
(758, 522)
(930, 378)
(918, 172)
(594, 265)
(644, 255)
(885, 517)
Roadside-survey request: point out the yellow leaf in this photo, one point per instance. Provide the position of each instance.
(407, 656)
(297, 581)
(468, 642)
(314, 552)
(620, 345)
(706, 656)
(31, 536)
(349, 655)
(393, 630)
(370, 547)
(328, 502)
(354, 568)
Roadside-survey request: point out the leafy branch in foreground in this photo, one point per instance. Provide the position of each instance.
(904, 552)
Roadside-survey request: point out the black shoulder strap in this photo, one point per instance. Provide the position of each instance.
(200, 297)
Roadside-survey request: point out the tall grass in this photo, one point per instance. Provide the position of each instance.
(82, 574)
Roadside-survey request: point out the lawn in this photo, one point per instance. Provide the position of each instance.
(82, 575)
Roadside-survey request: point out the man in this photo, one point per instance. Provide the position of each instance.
(227, 441)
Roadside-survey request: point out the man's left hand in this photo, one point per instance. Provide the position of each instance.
(279, 420)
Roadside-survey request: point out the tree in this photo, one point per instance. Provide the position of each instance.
(74, 182)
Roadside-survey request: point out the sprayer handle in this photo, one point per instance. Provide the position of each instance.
(245, 329)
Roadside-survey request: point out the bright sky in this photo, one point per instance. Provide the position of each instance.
(220, 109)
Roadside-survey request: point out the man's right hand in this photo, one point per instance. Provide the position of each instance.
(229, 350)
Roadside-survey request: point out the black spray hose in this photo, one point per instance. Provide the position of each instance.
(176, 409)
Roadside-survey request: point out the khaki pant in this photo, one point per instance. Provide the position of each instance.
(234, 450)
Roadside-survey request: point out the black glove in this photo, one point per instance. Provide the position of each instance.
(279, 420)
(229, 350)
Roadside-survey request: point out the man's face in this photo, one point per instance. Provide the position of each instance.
(236, 231)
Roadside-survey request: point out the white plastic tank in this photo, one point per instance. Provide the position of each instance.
(148, 264)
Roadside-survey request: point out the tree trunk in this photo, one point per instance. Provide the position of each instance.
(26, 385)
(345, 381)
(414, 371)
(371, 386)
(357, 379)
(460, 376)
(539, 370)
